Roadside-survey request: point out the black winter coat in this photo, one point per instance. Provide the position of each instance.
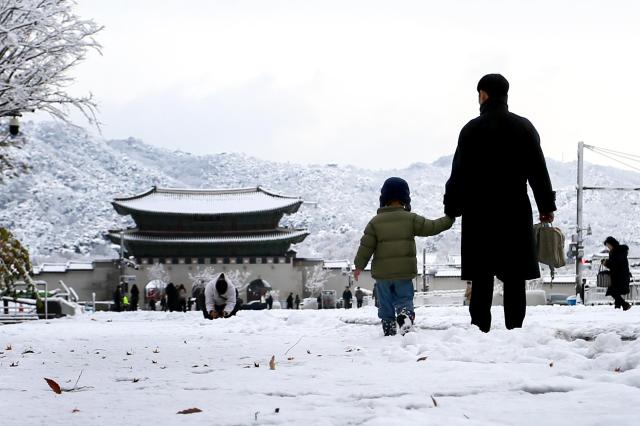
(618, 264)
(497, 154)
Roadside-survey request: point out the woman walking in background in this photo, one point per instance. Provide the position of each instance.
(618, 264)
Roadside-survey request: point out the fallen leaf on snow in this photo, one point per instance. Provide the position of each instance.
(277, 410)
(422, 358)
(8, 348)
(290, 358)
(272, 363)
(53, 385)
(551, 364)
(190, 411)
(75, 410)
(14, 364)
(136, 380)
(28, 351)
(256, 365)
(435, 403)
(618, 369)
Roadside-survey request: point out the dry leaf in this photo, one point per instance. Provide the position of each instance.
(75, 410)
(28, 351)
(422, 358)
(156, 351)
(8, 348)
(308, 351)
(53, 385)
(136, 380)
(435, 403)
(154, 362)
(272, 363)
(190, 411)
(618, 369)
(129, 353)
(277, 410)
(290, 358)
(14, 364)
(551, 364)
(256, 365)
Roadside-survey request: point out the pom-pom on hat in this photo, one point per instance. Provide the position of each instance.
(395, 188)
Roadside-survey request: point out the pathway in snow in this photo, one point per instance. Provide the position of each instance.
(568, 365)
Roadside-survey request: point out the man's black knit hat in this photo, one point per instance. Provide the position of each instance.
(397, 189)
(494, 84)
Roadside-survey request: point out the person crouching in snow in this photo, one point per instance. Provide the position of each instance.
(221, 299)
(390, 238)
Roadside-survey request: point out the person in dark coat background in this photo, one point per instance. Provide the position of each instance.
(172, 297)
(359, 297)
(117, 299)
(346, 297)
(618, 264)
(297, 301)
(497, 154)
(270, 301)
(290, 301)
(135, 297)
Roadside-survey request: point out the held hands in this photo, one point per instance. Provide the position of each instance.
(546, 217)
(356, 274)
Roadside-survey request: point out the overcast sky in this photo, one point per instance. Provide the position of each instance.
(374, 83)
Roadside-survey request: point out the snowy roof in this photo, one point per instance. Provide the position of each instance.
(206, 201)
(448, 273)
(337, 264)
(62, 267)
(292, 235)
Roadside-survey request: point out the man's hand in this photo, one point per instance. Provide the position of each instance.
(356, 274)
(546, 217)
(226, 314)
(214, 314)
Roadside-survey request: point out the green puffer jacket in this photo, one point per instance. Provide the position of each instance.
(389, 237)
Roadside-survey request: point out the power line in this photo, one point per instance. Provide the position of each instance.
(613, 158)
(612, 151)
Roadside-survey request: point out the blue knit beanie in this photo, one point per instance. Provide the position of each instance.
(395, 188)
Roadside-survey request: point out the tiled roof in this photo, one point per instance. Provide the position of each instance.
(206, 202)
(290, 235)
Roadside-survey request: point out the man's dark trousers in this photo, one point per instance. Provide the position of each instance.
(515, 302)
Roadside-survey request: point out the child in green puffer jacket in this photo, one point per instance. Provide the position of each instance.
(390, 238)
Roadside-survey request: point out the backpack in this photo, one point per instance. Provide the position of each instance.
(549, 246)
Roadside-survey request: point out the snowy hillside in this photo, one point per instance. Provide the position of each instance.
(63, 204)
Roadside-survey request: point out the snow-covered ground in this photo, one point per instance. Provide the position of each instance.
(569, 365)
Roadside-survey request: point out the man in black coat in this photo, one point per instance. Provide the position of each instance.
(497, 154)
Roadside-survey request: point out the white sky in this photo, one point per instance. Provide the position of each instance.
(373, 83)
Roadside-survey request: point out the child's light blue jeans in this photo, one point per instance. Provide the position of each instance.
(393, 297)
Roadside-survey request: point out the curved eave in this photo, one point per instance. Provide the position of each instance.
(126, 210)
(292, 237)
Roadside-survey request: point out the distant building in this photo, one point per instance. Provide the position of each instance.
(231, 230)
(223, 226)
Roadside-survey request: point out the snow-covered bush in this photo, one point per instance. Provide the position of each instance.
(316, 280)
(14, 261)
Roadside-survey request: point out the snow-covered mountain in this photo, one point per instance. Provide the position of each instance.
(62, 205)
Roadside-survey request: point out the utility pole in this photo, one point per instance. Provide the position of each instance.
(580, 200)
(424, 269)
